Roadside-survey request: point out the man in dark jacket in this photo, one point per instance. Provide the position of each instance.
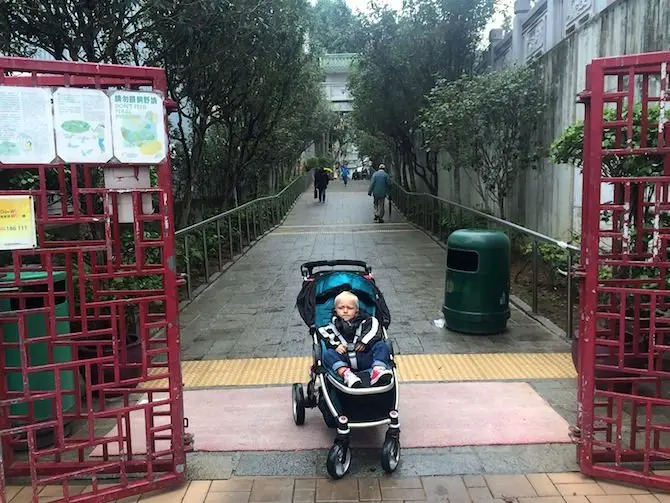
(321, 180)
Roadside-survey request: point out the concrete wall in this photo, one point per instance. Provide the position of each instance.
(549, 200)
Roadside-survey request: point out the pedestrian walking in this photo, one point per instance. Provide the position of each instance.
(321, 180)
(379, 190)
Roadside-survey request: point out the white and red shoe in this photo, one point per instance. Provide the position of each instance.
(380, 376)
(351, 380)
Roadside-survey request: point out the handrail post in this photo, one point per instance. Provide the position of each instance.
(535, 267)
(218, 240)
(239, 230)
(440, 219)
(187, 259)
(231, 243)
(253, 218)
(264, 216)
(205, 258)
(246, 221)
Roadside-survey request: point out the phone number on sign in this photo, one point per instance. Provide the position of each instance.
(13, 228)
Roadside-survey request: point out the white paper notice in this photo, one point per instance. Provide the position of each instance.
(138, 124)
(83, 125)
(26, 126)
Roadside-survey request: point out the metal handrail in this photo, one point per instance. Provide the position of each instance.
(263, 219)
(537, 237)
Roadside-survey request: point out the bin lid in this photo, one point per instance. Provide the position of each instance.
(478, 239)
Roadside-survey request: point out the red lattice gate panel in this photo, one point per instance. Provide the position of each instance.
(91, 389)
(624, 351)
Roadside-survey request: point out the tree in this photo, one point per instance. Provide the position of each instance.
(186, 42)
(378, 150)
(491, 124)
(246, 90)
(77, 30)
(334, 27)
(404, 57)
(236, 70)
(265, 89)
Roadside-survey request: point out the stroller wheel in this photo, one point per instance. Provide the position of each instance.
(298, 404)
(390, 454)
(339, 461)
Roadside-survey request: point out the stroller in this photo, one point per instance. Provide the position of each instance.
(342, 407)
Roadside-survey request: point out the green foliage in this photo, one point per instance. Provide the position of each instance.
(319, 162)
(405, 56)
(335, 28)
(378, 149)
(490, 125)
(568, 148)
(104, 32)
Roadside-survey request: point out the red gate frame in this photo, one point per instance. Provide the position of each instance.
(623, 421)
(157, 375)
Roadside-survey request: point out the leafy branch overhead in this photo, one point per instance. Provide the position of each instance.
(249, 96)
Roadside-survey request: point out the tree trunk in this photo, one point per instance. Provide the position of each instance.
(409, 166)
(501, 206)
(457, 183)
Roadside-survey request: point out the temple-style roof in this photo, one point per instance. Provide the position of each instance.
(340, 62)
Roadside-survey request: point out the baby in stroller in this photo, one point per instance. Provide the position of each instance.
(355, 340)
(352, 380)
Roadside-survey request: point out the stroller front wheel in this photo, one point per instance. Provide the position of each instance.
(338, 461)
(298, 404)
(390, 454)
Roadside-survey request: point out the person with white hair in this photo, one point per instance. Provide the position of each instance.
(379, 190)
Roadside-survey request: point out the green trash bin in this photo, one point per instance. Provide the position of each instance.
(476, 297)
(36, 326)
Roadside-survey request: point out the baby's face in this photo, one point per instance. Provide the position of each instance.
(346, 309)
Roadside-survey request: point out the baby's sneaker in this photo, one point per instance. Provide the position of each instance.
(351, 379)
(380, 376)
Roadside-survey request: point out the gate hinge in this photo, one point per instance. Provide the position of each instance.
(584, 96)
(575, 434)
(188, 442)
(578, 272)
(188, 438)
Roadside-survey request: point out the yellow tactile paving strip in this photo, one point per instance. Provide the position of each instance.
(411, 368)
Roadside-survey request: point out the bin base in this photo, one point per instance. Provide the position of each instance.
(475, 323)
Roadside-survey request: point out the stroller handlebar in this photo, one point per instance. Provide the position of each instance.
(307, 268)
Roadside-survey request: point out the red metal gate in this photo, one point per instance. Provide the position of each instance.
(91, 393)
(624, 371)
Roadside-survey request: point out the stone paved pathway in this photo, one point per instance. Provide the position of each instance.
(250, 311)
